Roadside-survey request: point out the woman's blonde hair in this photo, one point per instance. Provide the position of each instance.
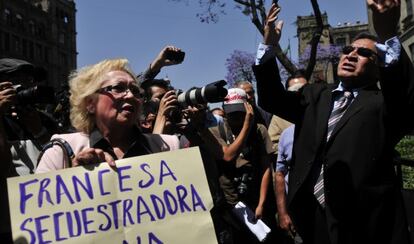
(83, 85)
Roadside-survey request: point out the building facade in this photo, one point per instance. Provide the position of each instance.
(407, 26)
(306, 27)
(343, 33)
(42, 32)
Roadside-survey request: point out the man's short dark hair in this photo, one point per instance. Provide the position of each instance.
(239, 83)
(217, 108)
(146, 85)
(366, 35)
(300, 73)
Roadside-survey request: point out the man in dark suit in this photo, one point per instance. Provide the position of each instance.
(342, 186)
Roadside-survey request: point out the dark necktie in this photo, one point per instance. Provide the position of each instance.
(338, 111)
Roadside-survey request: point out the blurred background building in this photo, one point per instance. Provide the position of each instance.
(42, 32)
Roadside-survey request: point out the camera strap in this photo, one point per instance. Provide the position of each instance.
(64, 145)
(227, 135)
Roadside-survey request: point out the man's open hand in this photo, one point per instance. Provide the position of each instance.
(272, 31)
(162, 60)
(385, 16)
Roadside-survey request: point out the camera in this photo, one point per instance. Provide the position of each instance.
(211, 93)
(243, 181)
(35, 95)
(176, 56)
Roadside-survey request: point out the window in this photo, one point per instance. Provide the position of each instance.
(46, 58)
(31, 50)
(340, 41)
(24, 47)
(16, 44)
(19, 22)
(409, 4)
(6, 43)
(39, 53)
(32, 29)
(1, 40)
(7, 16)
(63, 59)
(412, 51)
(41, 30)
(62, 38)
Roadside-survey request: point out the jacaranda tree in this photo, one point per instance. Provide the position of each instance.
(239, 67)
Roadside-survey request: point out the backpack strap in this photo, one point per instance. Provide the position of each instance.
(154, 142)
(64, 145)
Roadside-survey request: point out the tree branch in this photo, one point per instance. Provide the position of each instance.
(315, 39)
(255, 19)
(247, 4)
(262, 11)
(259, 24)
(284, 60)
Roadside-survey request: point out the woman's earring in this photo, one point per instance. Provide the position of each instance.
(91, 109)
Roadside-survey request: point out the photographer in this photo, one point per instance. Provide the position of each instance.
(22, 128)
(155, 119)
(242, 159)
(161, 100)
(24, 125)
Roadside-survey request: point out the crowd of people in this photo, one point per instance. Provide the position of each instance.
(313, 161)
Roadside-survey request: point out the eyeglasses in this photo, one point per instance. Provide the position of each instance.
(121, 89)
(361, 51)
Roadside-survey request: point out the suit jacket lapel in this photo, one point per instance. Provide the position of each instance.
(356, 106)
(323, 116)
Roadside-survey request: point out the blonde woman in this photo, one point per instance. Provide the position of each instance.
(105, 105)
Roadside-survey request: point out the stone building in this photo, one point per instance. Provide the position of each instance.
(330, 42)
(307, 26)
(407, 26)
(41, 32)
(343, 33)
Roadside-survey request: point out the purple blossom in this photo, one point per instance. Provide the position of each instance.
(325, 53)
(239, 67)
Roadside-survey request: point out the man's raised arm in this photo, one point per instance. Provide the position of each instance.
(397, 78)
(158, 63)
(272, 95)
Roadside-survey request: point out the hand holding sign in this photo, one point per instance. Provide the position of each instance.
(92, 156)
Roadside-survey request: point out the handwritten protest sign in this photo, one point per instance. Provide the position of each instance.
(157, 198)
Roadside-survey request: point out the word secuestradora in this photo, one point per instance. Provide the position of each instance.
(141, 208)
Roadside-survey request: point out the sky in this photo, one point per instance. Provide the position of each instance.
(139, 29)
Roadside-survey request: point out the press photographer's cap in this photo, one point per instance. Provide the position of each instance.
(235, 100)
(11, 65)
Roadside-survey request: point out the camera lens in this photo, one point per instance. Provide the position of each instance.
(211, 93)
(36, 95)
